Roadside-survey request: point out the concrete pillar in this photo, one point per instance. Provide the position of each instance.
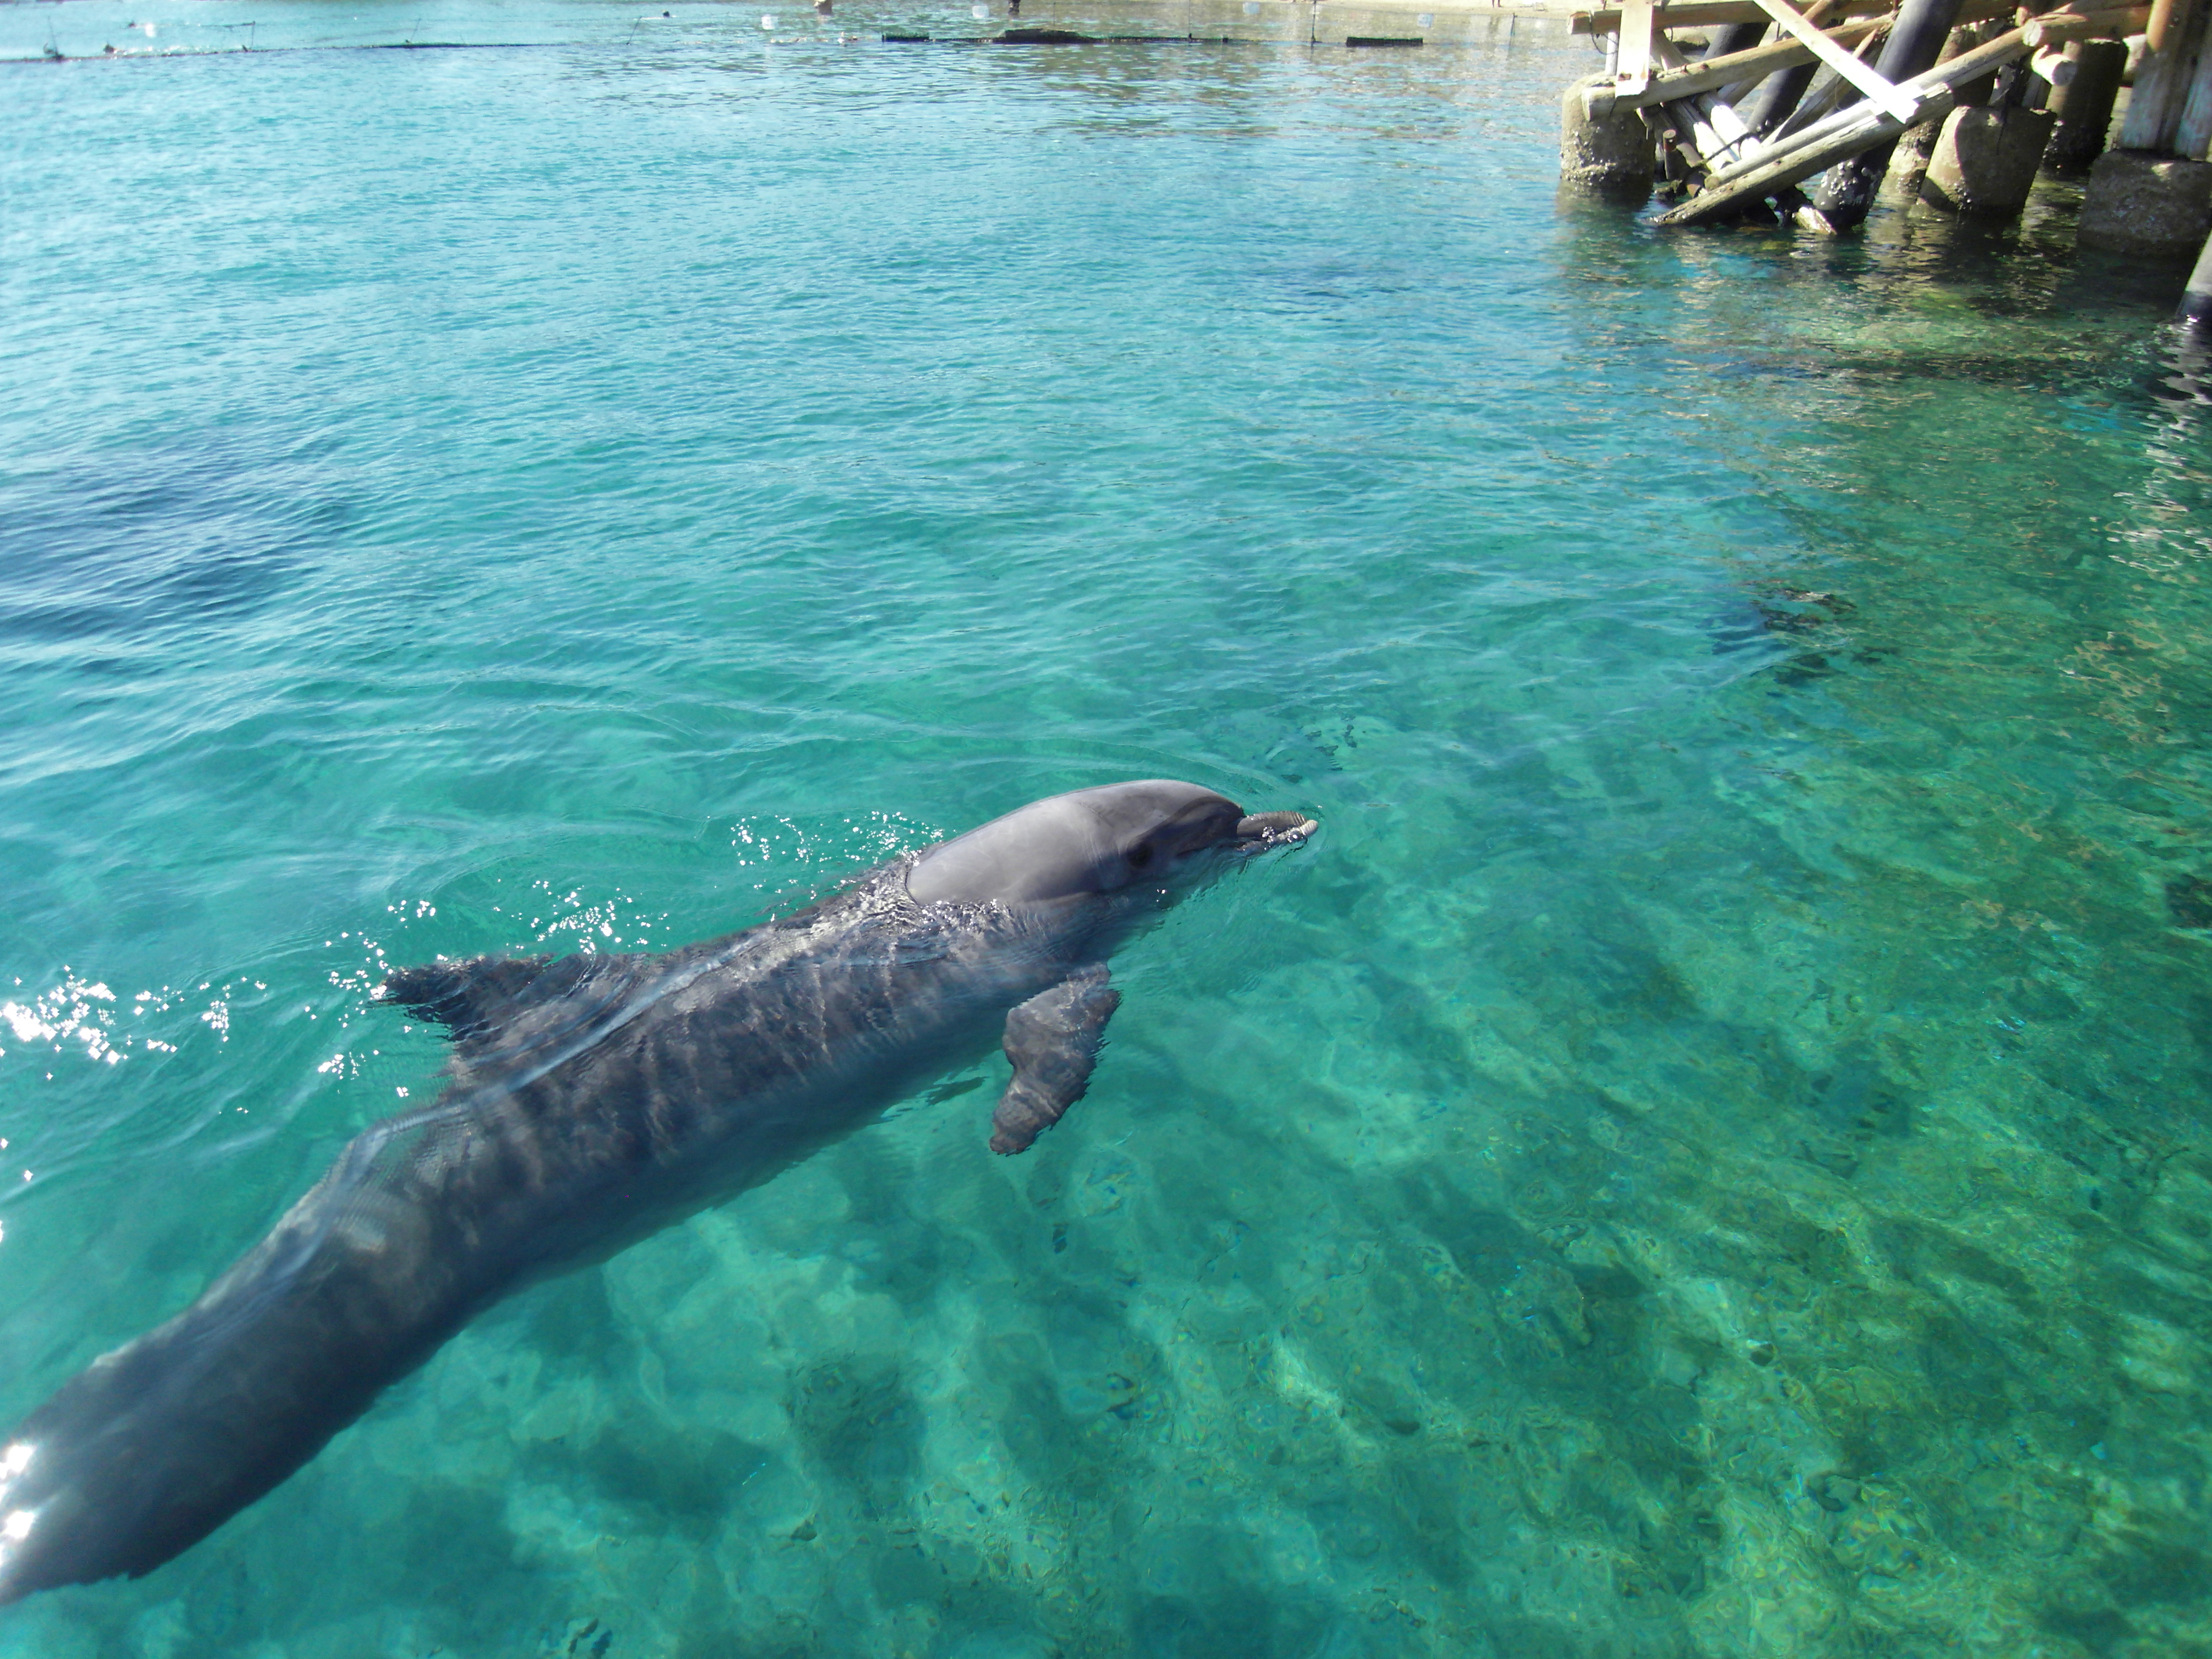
(1610, 154)
(2195, 308)
(1985, 160)
(2147, 205)
(1908, 163)
(2084, 105)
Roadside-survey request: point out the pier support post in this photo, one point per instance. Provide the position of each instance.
(2084, 105)
(1735, 38)
(1985, 160)
(2174, 40)
(1607, 154)
(2146, 203)
(1923, 26)
(1777, 97)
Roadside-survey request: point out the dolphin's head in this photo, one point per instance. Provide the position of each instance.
(1157, 836)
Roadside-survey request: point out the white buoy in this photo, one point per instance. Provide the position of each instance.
(1425, 19)
(767, 19)
(979, 12)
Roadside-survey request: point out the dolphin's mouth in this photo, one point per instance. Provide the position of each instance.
(1262, 830)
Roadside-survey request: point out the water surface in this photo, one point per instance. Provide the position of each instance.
(1705, 1155)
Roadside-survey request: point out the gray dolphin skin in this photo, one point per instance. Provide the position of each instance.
(590, 1102)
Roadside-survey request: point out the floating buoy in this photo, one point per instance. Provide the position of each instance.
(767, 19)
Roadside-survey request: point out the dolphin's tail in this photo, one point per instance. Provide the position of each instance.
(152, 1447)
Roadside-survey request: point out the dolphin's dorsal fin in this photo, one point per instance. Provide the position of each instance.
(473, 998)
(1053, 1040)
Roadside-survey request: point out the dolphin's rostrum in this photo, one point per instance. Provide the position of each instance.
(591, 1100)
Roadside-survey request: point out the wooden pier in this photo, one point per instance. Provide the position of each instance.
(1732, 109)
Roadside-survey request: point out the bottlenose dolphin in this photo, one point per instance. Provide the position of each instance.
(591, 1100)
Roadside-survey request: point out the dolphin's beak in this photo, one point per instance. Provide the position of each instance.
(1265, 829)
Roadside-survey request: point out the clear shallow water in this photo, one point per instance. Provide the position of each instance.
(1706, 1154)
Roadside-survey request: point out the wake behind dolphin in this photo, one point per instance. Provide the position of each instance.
(591, 1102)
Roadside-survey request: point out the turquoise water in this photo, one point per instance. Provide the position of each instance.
(1705, 1155)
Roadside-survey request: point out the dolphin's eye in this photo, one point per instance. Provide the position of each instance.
(1141, 859)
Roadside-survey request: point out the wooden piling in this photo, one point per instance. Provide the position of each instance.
(2084, 105)
(2193, 134)
(2172, 37)
(1847, 194)
(1734, 38)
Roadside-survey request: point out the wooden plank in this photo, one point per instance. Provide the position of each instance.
(2062, 26)
(1877, 87)
(1696, 14)
(1632, 66)
(1713, 73)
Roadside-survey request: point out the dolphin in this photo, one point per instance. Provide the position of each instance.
(590, 1102)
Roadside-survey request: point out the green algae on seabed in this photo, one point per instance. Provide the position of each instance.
(1705, 1155)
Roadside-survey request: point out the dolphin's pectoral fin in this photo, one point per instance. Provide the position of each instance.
(472, 997)
(1053, 1040)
